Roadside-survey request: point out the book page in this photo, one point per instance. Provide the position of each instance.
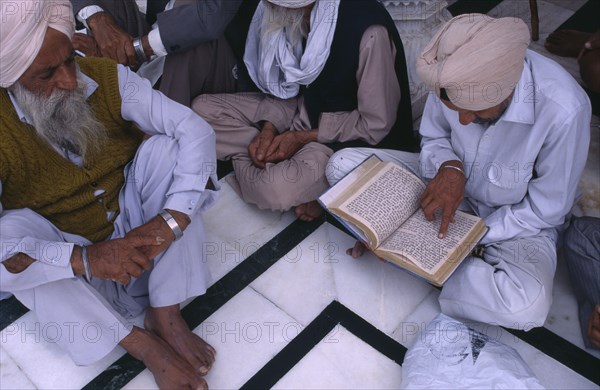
(386, 200)
(417, 239)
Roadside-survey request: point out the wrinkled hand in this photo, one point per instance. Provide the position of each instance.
(257, 150)
(285, 145)
(120, 259)
(86, 44)
(112, 40)
(157, 227)
(446, 191)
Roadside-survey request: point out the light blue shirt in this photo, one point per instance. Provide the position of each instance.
(523, 171)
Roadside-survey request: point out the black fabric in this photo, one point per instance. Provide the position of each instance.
(336, 87)
(586, 19)
(153, 8)
(236, 34)
(473, 6)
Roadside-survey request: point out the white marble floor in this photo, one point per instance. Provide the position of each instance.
(266, 322)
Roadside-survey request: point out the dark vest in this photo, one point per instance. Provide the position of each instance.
(336, 87)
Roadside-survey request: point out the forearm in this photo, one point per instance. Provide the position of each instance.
(155, 114)
(378, 94)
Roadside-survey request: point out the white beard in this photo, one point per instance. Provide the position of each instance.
(64, 118)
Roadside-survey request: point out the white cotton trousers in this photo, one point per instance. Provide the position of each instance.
(93, 317)
(511, 286)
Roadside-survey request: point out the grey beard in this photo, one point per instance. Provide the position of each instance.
(293, 22)
(64, 118)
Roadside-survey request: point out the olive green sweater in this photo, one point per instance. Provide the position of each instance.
(35, 176)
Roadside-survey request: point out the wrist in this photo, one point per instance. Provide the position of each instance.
(147, 47)
(176, 221)
(77, 261)
(453, 165)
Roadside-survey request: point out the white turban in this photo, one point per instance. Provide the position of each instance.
(477, 59)
(292, 3)
(23, 26)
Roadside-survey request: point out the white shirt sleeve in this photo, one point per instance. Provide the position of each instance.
(154, 114)
(156, 43)
(86, 12)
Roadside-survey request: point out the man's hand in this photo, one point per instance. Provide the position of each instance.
(112, 40)
(118, 259)
(285, 145)
(86, 44)
(157, 227)
(445, 191)
(257, 150)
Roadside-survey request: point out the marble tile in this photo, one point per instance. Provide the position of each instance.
(349, 363)
(235, 230)
(409, 330)
(572, 5)
(318, 271)
(46, 365)
(11, 376)
(246, 332)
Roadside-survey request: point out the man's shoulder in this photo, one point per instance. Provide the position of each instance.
(554, 88)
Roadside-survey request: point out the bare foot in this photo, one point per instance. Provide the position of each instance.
(309, 211)
(566, 43)
(170, 370)
(594, 327)
(168, 324)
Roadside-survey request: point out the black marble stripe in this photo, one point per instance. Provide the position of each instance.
(10, 311)
(126, 368)
(335, 314)
(472, 6)
(562, 351)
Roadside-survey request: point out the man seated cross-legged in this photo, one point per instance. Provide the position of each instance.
(98, 226)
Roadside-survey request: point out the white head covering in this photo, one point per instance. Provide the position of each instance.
(292, 3)
(477, 59)
(23, 26)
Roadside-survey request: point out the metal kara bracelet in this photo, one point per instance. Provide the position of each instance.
(139, 50)
(86, 263)
(177, 232)
(455, 168)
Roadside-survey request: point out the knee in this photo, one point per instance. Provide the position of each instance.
(582, 236)
(203, 105)
(342, 162)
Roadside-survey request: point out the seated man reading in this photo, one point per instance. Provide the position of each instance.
(505, 135)
(96, 225)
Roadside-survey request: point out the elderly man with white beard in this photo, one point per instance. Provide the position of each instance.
(96, 225)
(332, 75)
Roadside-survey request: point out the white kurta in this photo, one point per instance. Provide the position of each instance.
(170, 170)
(522, 175)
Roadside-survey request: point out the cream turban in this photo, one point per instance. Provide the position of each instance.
(23, 25)
(476, 58)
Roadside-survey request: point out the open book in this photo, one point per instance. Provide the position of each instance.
(380, 203)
